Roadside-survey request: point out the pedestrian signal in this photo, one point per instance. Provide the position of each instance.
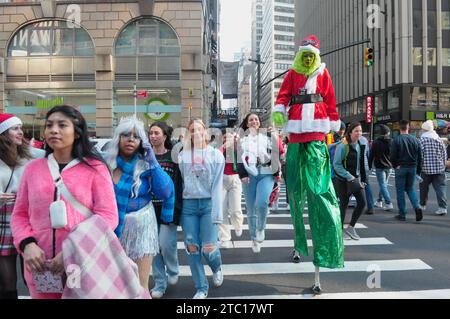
(368, 57)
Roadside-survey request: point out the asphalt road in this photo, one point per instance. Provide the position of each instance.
(393, 259)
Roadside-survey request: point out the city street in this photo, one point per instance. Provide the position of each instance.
(412, 258)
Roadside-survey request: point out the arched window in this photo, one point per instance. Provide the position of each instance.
(51, 38)
(147, 53)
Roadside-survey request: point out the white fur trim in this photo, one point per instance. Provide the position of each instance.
(6, 125)
(279, 108)
(309, 47)
(308, 126)
(335, 125)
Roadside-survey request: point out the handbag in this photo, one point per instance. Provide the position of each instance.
(48, 282)
(354, 186)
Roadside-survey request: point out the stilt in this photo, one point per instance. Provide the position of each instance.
(316, 289)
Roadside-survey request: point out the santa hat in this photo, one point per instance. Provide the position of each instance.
(7, 121)
(310, 43)
(428, 126)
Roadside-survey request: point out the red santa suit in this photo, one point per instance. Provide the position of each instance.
(312, 121)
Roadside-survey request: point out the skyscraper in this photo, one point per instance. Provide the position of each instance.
(277, 48)
(410, 78)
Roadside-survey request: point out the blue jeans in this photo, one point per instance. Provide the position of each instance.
(404, 182)
(257, 194)
(368, 193)
(382, 178)
(199, 231)
(167, 258)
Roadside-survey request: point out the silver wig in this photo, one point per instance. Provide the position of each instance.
(125, 126)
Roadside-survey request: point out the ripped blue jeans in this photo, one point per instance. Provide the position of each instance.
(199, 231)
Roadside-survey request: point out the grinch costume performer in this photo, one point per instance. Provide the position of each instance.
(307, 91)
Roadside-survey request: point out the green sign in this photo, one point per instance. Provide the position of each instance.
(430, 116)
(157, 116)
(48, 104)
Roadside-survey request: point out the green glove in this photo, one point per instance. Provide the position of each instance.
(279, 118)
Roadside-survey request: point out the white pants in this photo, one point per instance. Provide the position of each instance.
(232, 212)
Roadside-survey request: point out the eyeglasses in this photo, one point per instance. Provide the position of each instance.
(128, 136)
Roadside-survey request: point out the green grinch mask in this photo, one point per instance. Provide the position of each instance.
(306, 62)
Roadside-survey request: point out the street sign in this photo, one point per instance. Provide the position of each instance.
(369, 109)
(142, 94)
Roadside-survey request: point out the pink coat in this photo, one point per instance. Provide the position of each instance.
(91, 186)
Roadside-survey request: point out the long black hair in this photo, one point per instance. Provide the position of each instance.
(167, 131)
(82, 148)
(244, 124)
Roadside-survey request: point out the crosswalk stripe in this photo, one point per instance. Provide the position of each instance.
(286, 226)
(290, 243)
(413, 294)
(308, 267)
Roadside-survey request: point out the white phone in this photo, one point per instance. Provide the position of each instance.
(58, 214)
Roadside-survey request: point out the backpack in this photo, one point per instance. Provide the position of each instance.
(332, 150)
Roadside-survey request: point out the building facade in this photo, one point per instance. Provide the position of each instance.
(410, 78)
(91, 53)
(257, 32)
(277, 49)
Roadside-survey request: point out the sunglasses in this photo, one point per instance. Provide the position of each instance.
(307, 42)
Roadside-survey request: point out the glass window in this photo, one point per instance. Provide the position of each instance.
(431, 57)
(444, 99)
(445, 20)
(424, 98)
(19, 44)
(148, 40)
(445, 57)
(154, 38)
(126, 43)
(168, 41)
(63, 44)
(51, 38)
(40, 42)
(83, 43)
(379, 104)
(417, 56)
(393, 100)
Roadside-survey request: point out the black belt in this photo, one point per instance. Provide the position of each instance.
(306, 98)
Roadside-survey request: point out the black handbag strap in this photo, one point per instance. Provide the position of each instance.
(10, 179)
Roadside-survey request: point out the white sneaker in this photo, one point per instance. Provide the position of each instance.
(226, 244)
(352, 233)
(218, 278)
(423, 207)
(238, 232)
(200, 295)
(345, 236)
(172, 280)
(260, 236)
(389, 207)
(441, 212)
(256, 247)
(379, 204)
(156, 294)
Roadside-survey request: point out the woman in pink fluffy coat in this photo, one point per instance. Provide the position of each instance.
(86, 177)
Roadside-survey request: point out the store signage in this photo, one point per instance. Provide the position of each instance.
(369, 109)
(157, 116)
(442, 116)
(384, 118)
(142, 94)
(47, 104)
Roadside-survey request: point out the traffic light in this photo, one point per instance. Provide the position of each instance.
(368, 57)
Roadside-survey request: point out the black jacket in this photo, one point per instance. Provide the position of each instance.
(406, 152)
(380, 153)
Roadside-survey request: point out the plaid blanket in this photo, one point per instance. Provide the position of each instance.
(97, 267)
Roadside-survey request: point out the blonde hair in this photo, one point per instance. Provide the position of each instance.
(187, 144)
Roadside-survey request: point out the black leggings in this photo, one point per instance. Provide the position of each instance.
(341, 191)
(8, 277)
